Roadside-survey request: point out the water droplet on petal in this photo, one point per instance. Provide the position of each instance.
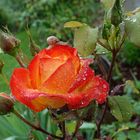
(104, 86)
(84, 78)
(97, 82)
(85, 72)
(82, 103)
(78, 79)
(69, 96)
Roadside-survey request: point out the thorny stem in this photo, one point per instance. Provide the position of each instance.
(38, 128)
(63, 129)
(76, 129)
(111, 67)
(61, 125)
(21, 58)
(102, 44)
(98, 124)
(20, 61)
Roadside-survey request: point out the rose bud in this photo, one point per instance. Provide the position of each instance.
(8, 43)
(6, 104)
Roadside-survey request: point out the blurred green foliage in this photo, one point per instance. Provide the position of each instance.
(48, 16)
(131, 54)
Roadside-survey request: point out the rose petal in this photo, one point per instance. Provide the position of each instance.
(60, 80)
(48, 66)
(20, 78)
(20, 85)
(101, 89)
(51, 102)
(62, 51)
(34, 68)
(96, 88)
(85, 74)
(65, 52)
(34, 72)
(34, 99)
(38, 101)
(87, 87)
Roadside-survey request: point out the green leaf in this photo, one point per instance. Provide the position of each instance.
(121, 136)
(71, 126)
(100, 49)
(133, 28)
(137, 108)
(108, 3)
(116, 13)
(73, 24)
(133, 135)
(86, 125)
(123, 128)
(85, 40)
(130, 87)
(120, 107)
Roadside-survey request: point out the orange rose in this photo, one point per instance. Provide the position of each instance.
(56, 77)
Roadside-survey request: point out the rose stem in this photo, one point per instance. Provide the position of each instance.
(38, 128)
(98, 124)
(64, 129)
(76, 128)
(20, 61)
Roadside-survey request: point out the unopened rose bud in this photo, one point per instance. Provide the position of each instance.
(116, 13)
(8, 43)
(106, 31)
(6, 104)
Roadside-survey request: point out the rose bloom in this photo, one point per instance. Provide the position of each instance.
(57, 77)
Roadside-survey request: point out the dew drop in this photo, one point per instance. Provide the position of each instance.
(69, 96)
(104, 86)
(82, 103)
(134, 20)
(78, 79)
(84, 78)
(97, 83)
(85, 72)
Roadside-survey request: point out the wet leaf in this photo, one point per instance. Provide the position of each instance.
(102, 49)
(73, 24)
(133, 135)
(108, 3)
(121, 107)
(85, 40)
(133, 28)
(86, 125)
(130, 87)
(137, 108)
